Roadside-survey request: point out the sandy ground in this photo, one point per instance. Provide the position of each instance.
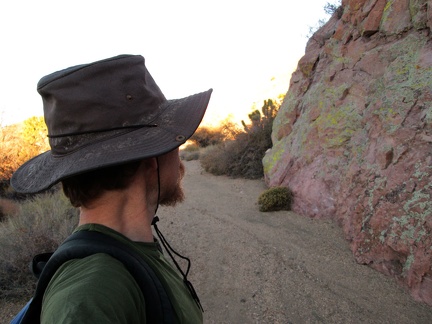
(253, 267)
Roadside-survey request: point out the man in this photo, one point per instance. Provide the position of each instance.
(114, 147)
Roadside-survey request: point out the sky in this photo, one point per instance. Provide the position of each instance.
(245, 50)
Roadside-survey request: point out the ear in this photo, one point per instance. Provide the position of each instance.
(148, 171)
(150, 164)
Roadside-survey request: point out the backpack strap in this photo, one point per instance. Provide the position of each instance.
(85, 243)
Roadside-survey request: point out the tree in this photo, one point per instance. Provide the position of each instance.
(19, 143)
(34, 136)
(329, 9)
(8, 151)
(252, 145)
(205, 136)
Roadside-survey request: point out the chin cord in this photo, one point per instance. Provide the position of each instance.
(170, 250)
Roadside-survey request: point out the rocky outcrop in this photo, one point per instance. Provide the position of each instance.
(353, 138)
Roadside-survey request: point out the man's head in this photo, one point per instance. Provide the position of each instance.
(103, 114)
(168, 171)
(87, 187)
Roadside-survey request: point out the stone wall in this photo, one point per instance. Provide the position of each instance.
(353, 138)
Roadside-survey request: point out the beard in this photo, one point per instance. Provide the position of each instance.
(173, 195)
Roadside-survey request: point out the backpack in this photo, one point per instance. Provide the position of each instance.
(85, 243)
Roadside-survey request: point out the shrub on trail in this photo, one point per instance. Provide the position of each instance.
(276, 198)
(39, 226)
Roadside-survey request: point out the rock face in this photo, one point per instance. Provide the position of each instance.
(353, 138)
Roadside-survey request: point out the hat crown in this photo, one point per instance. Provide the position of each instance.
(106, 113)
(106, 95)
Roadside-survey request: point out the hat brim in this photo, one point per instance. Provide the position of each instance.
(177, 122)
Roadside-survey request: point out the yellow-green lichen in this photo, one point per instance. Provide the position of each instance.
(272, 157)
(337, 125)
(388, 5)
(389, 117)
(386, 11)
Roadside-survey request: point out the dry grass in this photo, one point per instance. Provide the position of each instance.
(39, 226)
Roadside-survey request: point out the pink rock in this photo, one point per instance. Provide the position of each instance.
(371, 23)
(353, 138)
(396, 17)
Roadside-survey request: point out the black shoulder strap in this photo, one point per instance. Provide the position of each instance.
(85, 243)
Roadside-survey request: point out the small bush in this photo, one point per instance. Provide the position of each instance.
(191, 151)
(190, 156)
(190, 146)
(39, 226)
(241, 155)
(206, 136)
(276, 198)
(214, 159)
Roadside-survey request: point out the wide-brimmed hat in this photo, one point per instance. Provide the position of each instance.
(106, 113)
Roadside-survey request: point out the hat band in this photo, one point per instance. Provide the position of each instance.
(102, 130)
(71, 142)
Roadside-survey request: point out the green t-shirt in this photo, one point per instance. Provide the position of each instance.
(99, 289)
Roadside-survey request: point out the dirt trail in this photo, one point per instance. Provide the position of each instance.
(252, 267)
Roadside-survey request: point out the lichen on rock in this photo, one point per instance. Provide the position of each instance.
(353, 138)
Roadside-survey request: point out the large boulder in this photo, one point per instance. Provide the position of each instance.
(353, 137)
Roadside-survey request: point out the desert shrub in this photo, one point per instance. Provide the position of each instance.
(191, 151)
(210, 136)
(229, 129)
(39, 226)
(213, 153)
(242, 156)
(276, 198)
(211, 141)
(190, 146)
(206, 136)
(189, 155)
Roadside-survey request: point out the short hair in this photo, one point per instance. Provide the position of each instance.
(84, 188)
